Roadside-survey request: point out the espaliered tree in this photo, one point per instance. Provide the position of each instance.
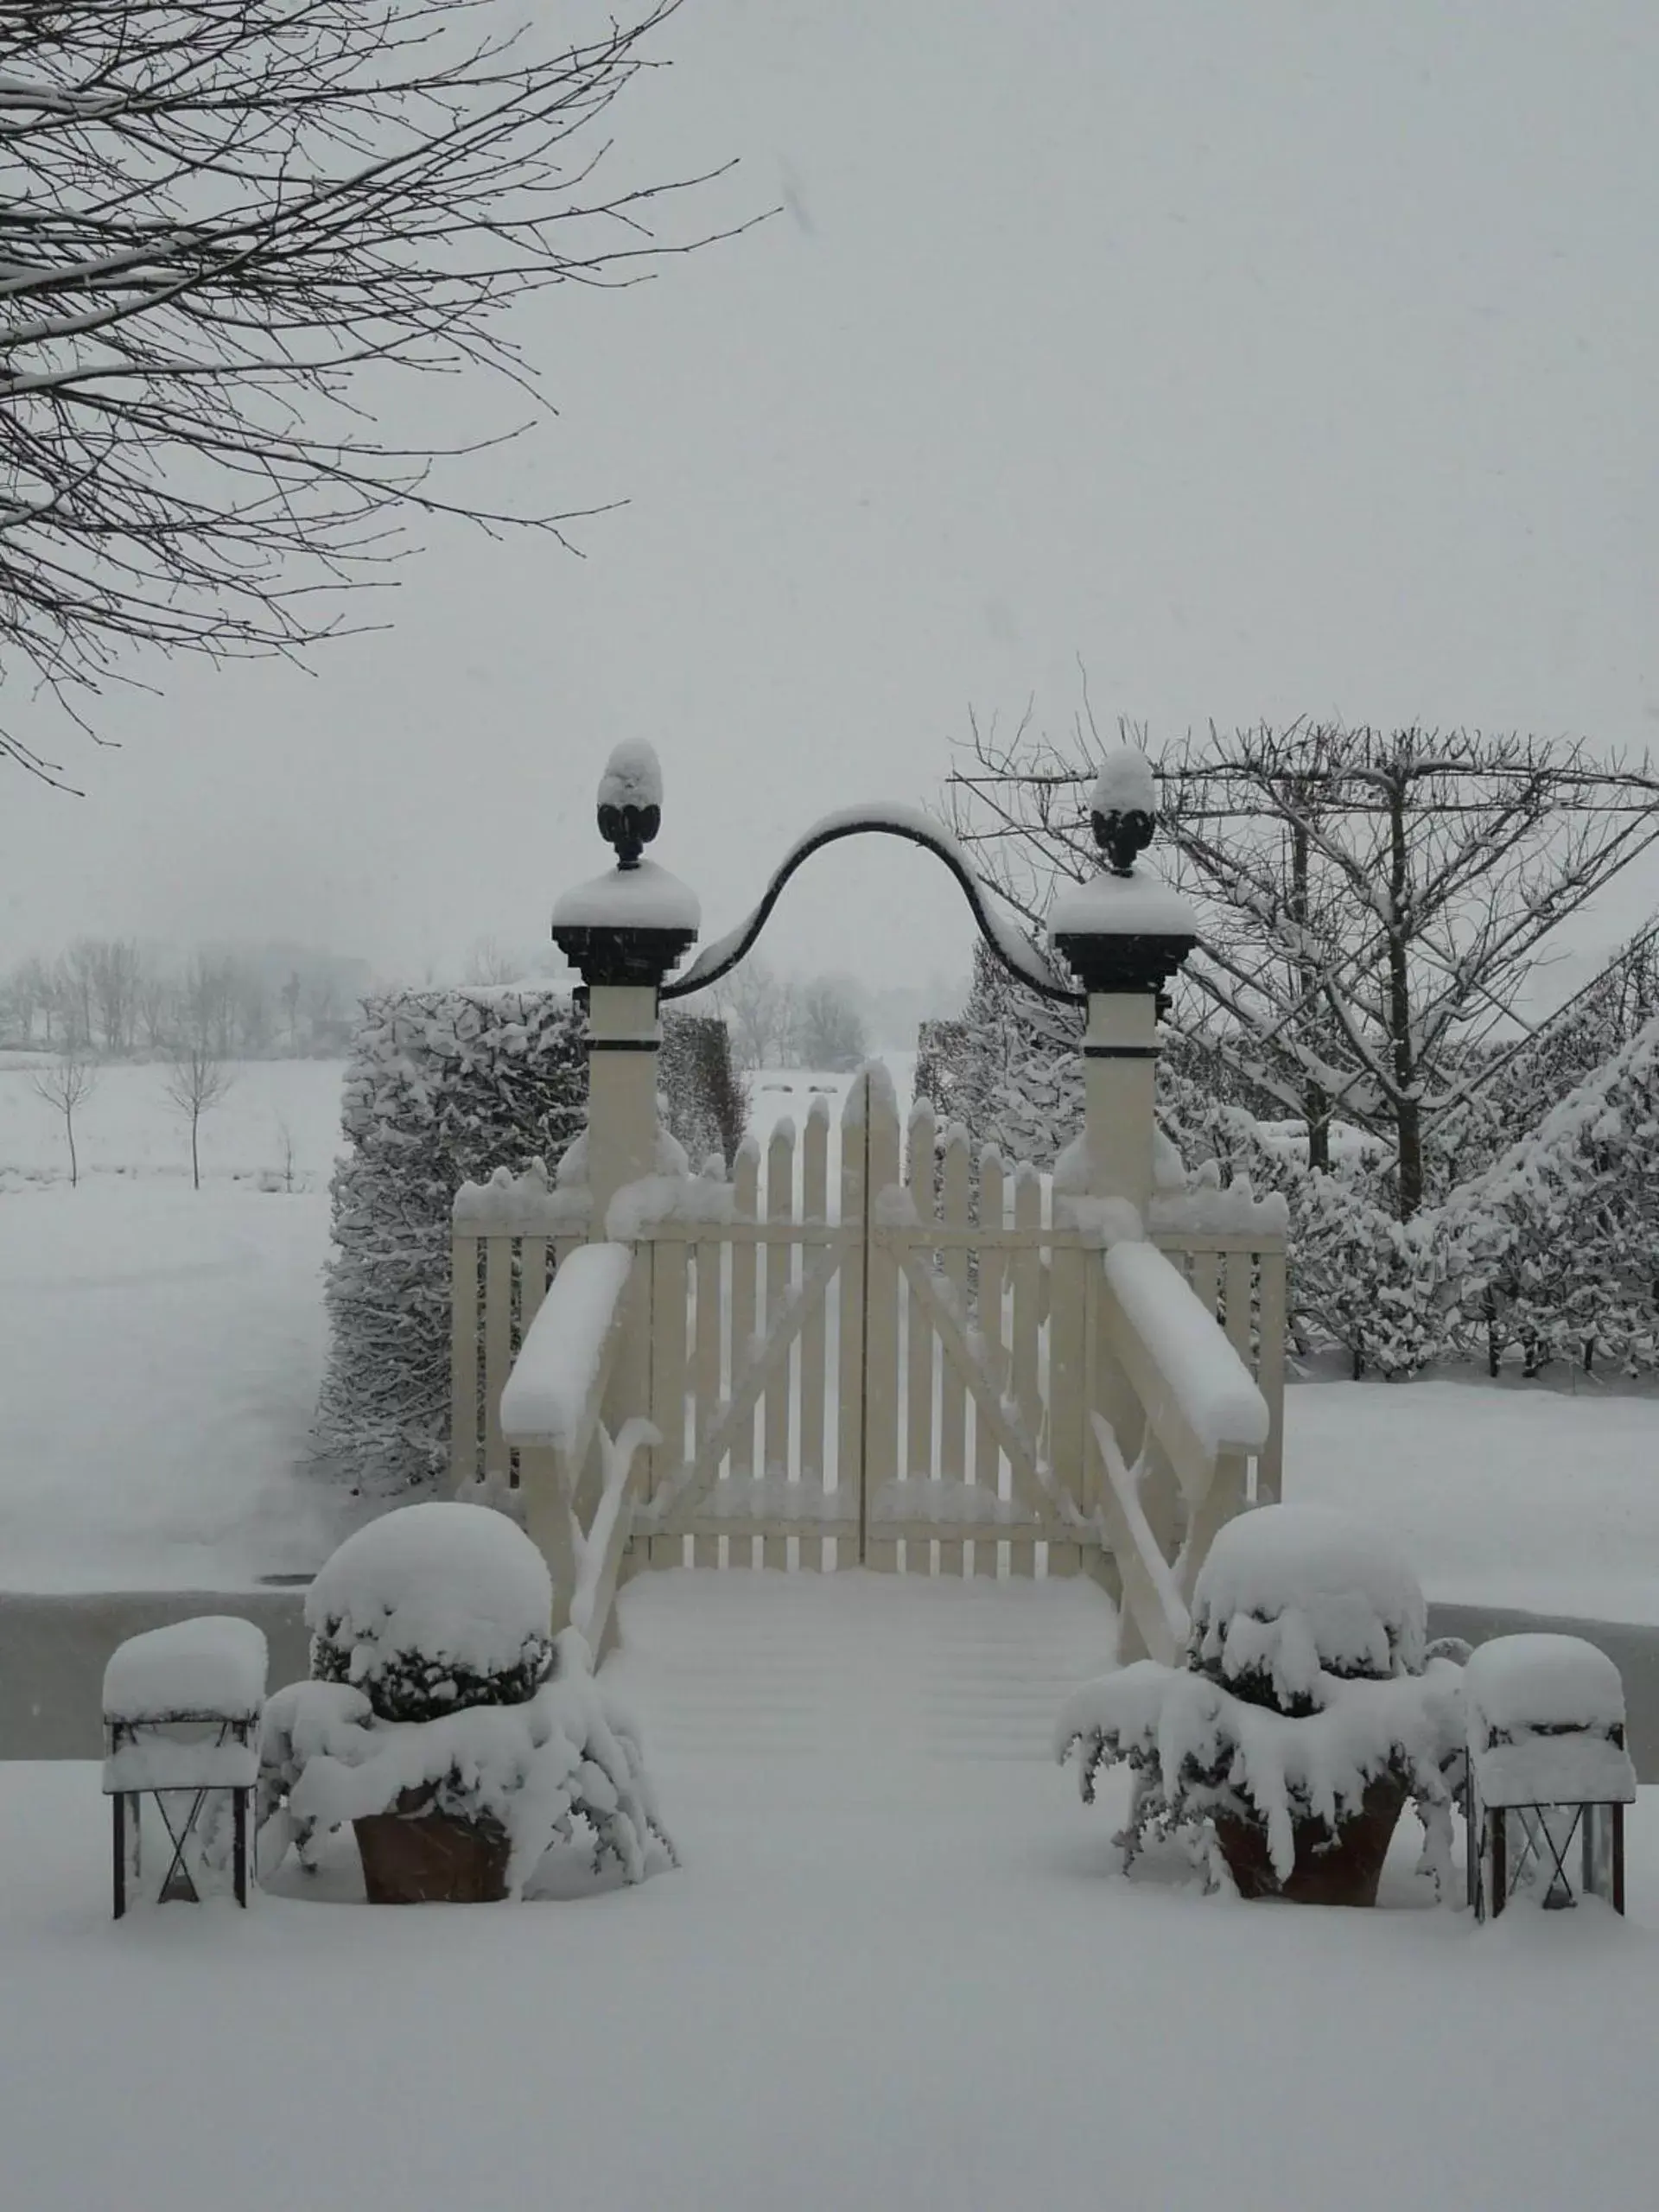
(1372, 899)
(220, 216)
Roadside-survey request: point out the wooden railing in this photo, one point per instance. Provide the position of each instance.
(578, 1484)
(1195, 1419)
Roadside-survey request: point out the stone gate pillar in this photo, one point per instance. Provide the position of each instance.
(622, 932)
(1123, 935)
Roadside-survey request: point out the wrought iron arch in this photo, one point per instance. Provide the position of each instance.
(720, 958)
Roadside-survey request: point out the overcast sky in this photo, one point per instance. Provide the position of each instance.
(1295, 357)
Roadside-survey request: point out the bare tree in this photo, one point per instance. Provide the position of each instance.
(216, 218)
(761, 1010)
(65, 1086)
(197, 1082)
(830, 1033)
(31, 995)
(489, 962)
(117, 974)
(1371, 899)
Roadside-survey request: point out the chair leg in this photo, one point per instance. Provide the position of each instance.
(119, 1803)
(239, 1846)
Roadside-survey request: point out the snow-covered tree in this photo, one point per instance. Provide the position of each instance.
(1370, 898)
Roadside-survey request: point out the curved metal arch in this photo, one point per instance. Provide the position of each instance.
(720, 958)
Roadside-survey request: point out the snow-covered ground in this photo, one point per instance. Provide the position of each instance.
(161, 1351)
(161, 1347)
(896, 1968)
(1538, 1495)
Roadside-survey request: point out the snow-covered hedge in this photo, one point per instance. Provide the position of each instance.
(443, 1087)
(1555, 1246)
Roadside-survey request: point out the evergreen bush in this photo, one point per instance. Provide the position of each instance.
(441, 1087)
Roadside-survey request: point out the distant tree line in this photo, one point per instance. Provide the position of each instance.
(785, 1021)
(110, 998)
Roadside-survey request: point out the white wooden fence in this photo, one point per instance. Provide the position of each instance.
(893, 1355)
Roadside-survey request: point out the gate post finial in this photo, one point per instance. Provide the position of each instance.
(623, 933)
(1123, 935)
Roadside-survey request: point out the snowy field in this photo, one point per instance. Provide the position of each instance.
(161, 1347)
(160, 1350)
(896, 1968)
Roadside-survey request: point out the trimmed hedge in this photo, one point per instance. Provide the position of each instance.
(443, 1087)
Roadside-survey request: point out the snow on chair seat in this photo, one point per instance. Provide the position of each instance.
(1548, 1765)
(182, 1713)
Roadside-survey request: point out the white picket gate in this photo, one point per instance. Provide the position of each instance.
(882, 1353)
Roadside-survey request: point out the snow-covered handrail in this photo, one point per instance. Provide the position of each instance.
(1199, 1398)
(1205, 1418)
(551, 1408)
(1015, 952)
(553, 1395)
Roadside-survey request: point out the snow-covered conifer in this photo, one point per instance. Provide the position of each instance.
(443, 1087)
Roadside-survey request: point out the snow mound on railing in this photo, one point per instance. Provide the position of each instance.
(547, 1392)
(1211, 1382)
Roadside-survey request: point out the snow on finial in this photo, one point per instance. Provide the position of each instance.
(631, 800)
(1123, 808)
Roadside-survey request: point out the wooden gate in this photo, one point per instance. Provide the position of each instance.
(881, 1352)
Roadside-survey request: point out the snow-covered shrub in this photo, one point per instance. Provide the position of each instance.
(1307, 1707)
(443, 1087)
(432, 1609)
(442, 1693)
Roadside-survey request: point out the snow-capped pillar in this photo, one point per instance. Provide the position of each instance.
(1123, 935)
(622, 932)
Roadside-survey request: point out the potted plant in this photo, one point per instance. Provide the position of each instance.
(1306, 1715)
(457, 1735)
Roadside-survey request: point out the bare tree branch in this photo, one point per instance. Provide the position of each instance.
(217, 214)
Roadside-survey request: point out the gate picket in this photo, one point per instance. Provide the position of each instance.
(816, 1458)
(739, 1550)
(851, 1439)
(880, 1320)
(916, 1465)
(987, 1459)
(1026, 1270)
(953, 1391)
(705, 1368)
(780, 1266)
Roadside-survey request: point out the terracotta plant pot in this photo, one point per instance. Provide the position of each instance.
(417, 1855)
(1340, 1869)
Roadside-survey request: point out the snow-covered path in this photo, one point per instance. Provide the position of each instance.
(855, 1676)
